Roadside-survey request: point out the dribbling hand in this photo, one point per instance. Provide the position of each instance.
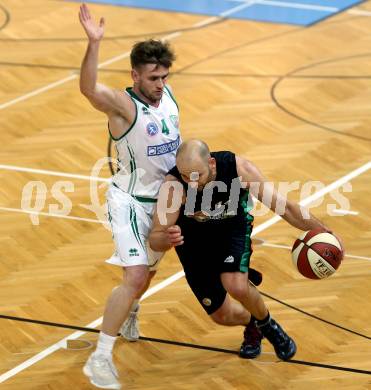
(93, 31)
(174, 234)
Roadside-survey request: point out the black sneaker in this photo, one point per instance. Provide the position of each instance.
(284, 345)
(251, 345)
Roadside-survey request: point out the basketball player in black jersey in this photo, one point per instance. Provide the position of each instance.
(210, 227)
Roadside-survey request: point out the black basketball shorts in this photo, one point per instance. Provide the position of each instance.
(205, 259)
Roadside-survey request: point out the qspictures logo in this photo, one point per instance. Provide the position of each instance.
(38, 198)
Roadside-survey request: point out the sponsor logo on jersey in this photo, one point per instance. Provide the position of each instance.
(152, 129)
(133, 252)
(203, 216)
(229, 259)
(157, 150)
(145, 111)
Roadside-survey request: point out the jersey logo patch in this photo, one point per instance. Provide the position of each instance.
(206, 301)
(145, 111)
(175, 120)
(152, 129)
(157, 150)
(229, 259)
(133, 252)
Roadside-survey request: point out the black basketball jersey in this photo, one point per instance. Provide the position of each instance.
(221, 204)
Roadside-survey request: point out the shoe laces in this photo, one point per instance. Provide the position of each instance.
(105, 364)
(133, 318)
(273, 330)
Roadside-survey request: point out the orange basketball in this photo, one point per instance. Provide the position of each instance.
(317, 254)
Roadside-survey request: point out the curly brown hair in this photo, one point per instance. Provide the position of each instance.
(152, 52)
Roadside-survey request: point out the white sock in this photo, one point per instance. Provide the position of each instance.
(105, 345)
(135, 305)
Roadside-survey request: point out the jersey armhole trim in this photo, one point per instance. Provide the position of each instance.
(131, 126)
(171, 95)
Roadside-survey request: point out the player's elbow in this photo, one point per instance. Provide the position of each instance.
(85, 88)
(94, 99)
(87, 91)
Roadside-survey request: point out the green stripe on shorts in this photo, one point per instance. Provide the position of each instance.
(245, 258)
(134, 226)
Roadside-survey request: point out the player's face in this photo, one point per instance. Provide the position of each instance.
(205, 173)
(150, 80)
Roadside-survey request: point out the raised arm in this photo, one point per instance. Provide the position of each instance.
(103, 98)
(165, 233)
(265, 192)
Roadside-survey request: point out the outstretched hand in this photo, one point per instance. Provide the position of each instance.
(93, 31)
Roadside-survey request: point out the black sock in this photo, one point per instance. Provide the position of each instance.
(252, 320)
(264, 321)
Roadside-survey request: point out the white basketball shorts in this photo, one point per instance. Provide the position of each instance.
(131, 223)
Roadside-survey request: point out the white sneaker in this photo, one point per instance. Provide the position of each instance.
(130, 328)
(102, 372)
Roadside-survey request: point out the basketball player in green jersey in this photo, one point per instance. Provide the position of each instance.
(143, 120)
(210, 228)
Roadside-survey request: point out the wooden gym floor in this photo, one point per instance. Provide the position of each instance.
(294, 100)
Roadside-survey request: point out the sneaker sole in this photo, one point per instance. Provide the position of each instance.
(292, 353)
(249, 356)
(87, 372)
(131, 339)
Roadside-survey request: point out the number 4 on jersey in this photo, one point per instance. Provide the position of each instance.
(165, 129)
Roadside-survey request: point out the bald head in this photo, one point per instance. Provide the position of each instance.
(195, 163)
(193, 153)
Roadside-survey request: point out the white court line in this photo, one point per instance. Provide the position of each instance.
(170, 280)
(53, 173)
(174, 35)
(285, 4)
(246, 4)
(62, 343)
(75, 335)
(37, 91)
(313, 7)
(360, 12)
(206, 21)
(112, 60)
(289, 248)
(257, 230)
(13, 210)
(320, 193)
(345, 212)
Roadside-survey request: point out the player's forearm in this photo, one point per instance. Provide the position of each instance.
(89, 69)
(159, 241)
(301, 218)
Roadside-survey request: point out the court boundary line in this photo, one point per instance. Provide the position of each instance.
(45, 214)
(199, 346)
(56, 346)
(261, 227)
(285, 4)
(61, 343)
(51, 86)
(109, 61)
(279, 246)
(72, 217)
(205, 22)
(53, 173)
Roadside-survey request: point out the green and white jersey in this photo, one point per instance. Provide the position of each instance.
(146, 152)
